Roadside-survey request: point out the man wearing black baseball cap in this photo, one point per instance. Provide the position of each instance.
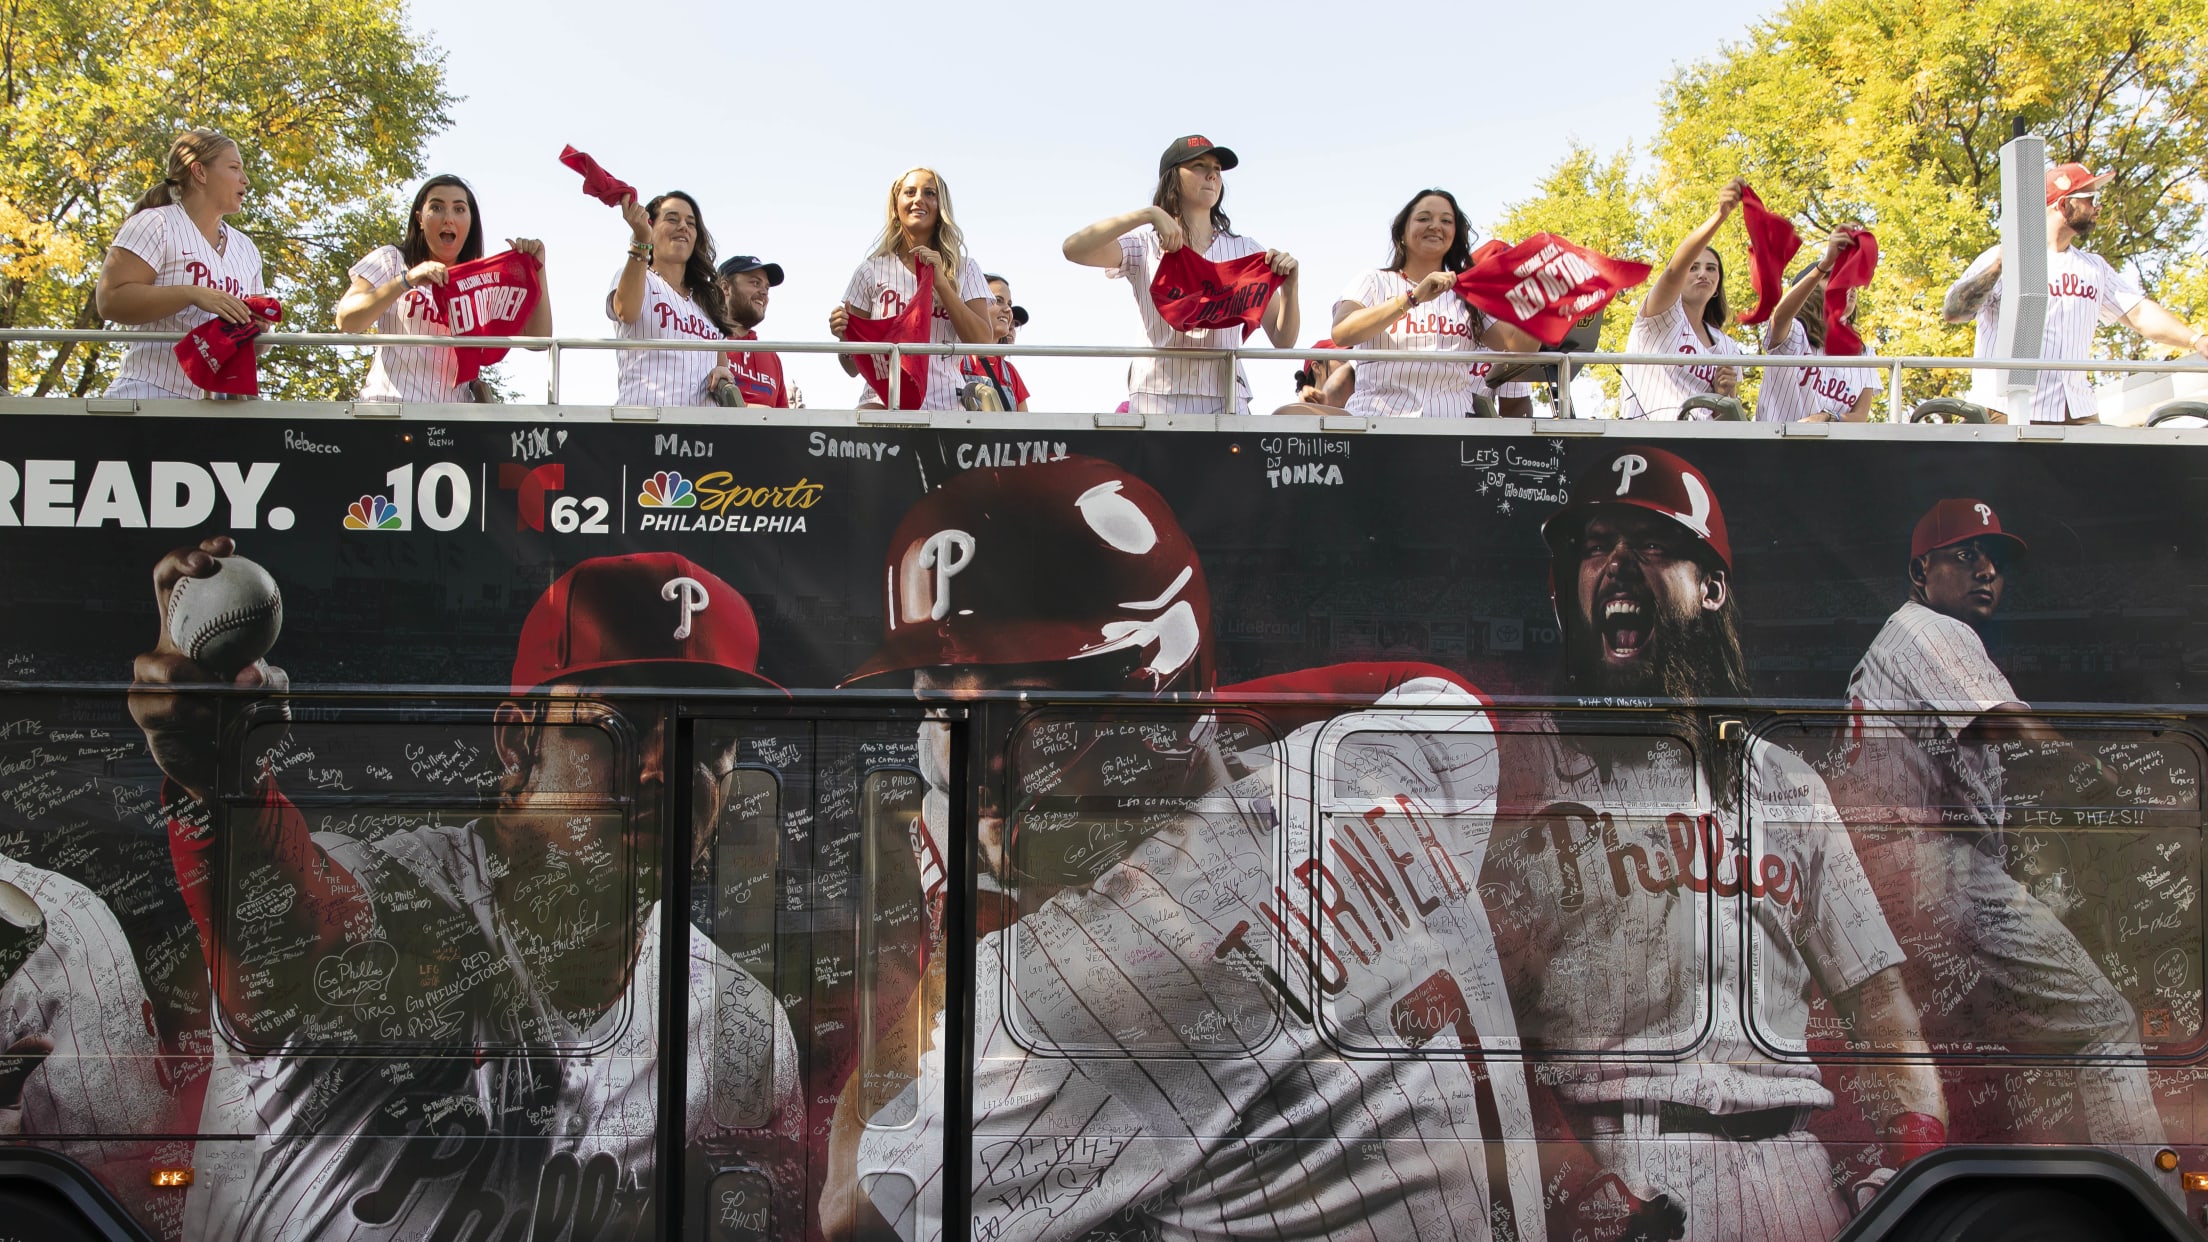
(758, 376)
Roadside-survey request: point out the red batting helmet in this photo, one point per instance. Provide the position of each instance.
(656, 616)
(1067, 560)
(1645, 478)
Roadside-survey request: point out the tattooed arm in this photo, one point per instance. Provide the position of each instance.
(1966, 296)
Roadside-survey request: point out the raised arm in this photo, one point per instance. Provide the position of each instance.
(1967, 295)
(2152, 321)
(1098, 244)
(628, 296)
(1791, 301)
(1671, 283)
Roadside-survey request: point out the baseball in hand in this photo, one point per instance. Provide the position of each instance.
(228, 619)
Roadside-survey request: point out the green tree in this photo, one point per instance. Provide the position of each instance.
(1893, 113)
(331, 104)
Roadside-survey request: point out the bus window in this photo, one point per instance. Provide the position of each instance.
(2042, 883)
(1145, 832)
(893, 916)
(439, 883)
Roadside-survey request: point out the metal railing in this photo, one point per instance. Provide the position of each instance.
(1229, 360)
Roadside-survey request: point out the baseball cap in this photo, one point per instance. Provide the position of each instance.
(1019, 316)
(1957, 521)
(1187, 148)
(752, 263)
(652, 618)
(1312, 364)
(2064, 180)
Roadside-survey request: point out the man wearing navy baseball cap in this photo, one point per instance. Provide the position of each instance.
(1927, 784)
(757, 375)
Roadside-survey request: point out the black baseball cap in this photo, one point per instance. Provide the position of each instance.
(1185, 149)
(752, 263)
(1019, 316)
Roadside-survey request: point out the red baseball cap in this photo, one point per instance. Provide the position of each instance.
(1958, 521)
(1185, 149)
(2064, 180)
(650, 618)
(1312, 364)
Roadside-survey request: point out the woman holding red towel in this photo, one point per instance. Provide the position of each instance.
(1185, 211)
(920, 232)
(393, 292)
(1797, 326)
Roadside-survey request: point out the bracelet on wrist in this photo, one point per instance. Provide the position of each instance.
(641, 251)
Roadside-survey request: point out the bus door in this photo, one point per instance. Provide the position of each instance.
(819, 879)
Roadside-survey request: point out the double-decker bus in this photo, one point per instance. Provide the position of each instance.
(531, 823)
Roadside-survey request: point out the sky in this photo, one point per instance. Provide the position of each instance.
(789, 122)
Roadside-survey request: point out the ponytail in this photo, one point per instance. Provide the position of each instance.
(193, 146)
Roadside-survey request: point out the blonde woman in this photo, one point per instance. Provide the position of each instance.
(174, 264)
(920, 230)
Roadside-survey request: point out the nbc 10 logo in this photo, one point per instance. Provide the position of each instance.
(441, 498)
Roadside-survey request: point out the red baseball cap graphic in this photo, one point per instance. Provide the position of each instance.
(1957, 521)
(2064, 180)
(654, 618)
(1645, 478)
(1185, 149)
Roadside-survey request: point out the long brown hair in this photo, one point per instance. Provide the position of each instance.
(698, 271)
(1459, 255)
(1169, 198)
(193, 146)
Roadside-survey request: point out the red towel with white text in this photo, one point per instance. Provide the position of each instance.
(1546, 283)
(1193, 293)
(218, 354)
(490, 296)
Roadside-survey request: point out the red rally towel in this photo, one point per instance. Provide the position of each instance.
(597, 182)
(1853, 271)
(1546, 283)
(910, 327)
(218, 355)
(1194, 294)
(1772, 243)
(492, 296)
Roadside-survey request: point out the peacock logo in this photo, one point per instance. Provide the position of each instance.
(668, 490)
(373, 513)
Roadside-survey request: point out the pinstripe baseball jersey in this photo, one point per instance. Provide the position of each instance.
(409, 374)
(1790, 394)
(663, 376)
(2083, 292)
(1603, 871)
(555, 1144)
(883, 287)
(1206, 995)
(1656, 392)
(179, 254)
(1911, 768)
(81, 990)
(1175, 385)
(1447, 325)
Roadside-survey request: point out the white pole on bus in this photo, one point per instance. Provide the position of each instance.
(2021, 326)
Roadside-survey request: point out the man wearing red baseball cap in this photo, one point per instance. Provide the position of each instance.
(2084, 291)
(525, 933)
(1927, 783)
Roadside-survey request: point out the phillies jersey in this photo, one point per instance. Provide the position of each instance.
(1160, 1052)
(1175, 385)
(179, 254)
(1657, 392)
(412, 373)
(81, 990)
(1607, 860)
(1447, 325)
(2083, 292)
(883, 287)
(999, 373)
(1911, 768)
(1790, 394)
(552, 1142)
(664, 376)
(759, 375)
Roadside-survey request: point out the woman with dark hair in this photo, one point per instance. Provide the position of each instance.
(1412, 303)
(920, 228)
(1185, 211)
(668, 290)
(1797, 326)
(391, 294)
(1684, 313)
(174, 264)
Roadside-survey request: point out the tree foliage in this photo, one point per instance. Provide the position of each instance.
(331, 104)
(1893, 113)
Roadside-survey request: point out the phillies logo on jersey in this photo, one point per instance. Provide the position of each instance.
(1696, 860)
(893, 305)
(688, 325)
(1833, 387)
(2071, 285)
(202, 274)
(1432, 324)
